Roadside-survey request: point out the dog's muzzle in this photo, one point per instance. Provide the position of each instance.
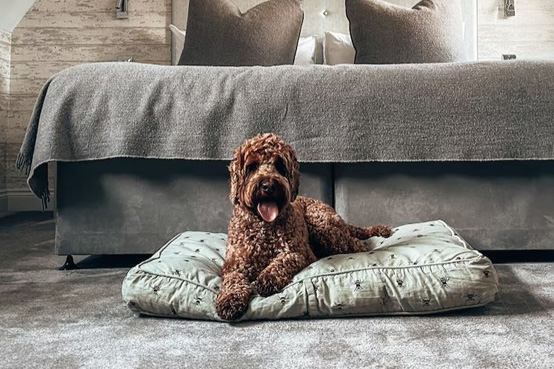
(268, 202)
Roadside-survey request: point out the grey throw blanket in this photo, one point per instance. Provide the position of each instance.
(417, 112)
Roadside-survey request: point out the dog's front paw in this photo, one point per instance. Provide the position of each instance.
(382, 231)
(268, 284)
(231, 306)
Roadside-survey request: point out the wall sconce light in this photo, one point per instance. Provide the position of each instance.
(509, 8)
(121, 8)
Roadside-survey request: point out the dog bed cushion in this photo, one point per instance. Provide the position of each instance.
(422, 268)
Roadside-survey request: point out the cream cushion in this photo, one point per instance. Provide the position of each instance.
(423, 268)
(338, 49)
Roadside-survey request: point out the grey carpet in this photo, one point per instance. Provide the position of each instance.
(65, 319)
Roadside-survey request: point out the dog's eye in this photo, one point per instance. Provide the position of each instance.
(280, 166)
(251, 168)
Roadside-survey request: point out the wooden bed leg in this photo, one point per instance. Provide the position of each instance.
(69, 264)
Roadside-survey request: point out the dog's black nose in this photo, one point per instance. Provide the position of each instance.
(266, 187)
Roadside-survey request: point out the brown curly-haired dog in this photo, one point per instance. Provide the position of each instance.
(274, 233)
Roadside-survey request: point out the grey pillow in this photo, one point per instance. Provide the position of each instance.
(219, 34)
(383, 33)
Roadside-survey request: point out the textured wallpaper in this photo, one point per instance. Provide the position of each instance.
(56, 34)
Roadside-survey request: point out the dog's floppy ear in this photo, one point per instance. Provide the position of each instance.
(293, 166)
(235, 179)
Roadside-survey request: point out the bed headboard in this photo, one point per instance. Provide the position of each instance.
(330, 15)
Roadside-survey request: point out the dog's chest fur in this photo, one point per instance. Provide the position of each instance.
(257, 242)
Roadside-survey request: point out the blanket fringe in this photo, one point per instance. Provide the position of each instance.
(45, 198)
(23, 163)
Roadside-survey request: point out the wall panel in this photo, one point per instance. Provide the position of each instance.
(5, 49)
(529, 34)
(57, 34)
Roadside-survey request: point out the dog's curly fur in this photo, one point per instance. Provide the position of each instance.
(272, 252)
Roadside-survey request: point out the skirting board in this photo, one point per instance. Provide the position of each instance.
(22, 200)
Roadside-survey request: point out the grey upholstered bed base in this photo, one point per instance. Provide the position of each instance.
(131, 206)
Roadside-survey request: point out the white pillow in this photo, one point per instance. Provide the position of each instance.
(338, 49)
(179, 43)
(305, 52)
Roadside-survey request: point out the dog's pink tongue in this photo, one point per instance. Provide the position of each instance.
(268, 210)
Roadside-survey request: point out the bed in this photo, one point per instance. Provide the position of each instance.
(469, 143)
